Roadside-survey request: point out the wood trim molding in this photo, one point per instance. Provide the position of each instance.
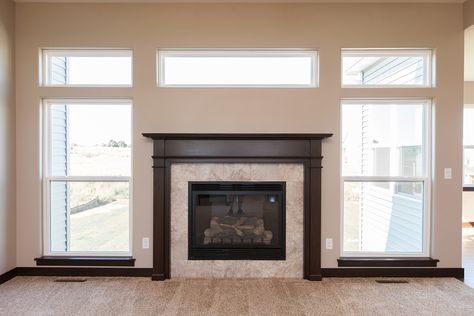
(7, 276)
(386, 262)
(236, 148)
(85, 261)
(393, 272)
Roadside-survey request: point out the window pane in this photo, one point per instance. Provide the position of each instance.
(383, 139)
(89, 216)
(468, 145)
(87, 67)
(237, 68)
(90, 138)
(383, 217)
(385, 67)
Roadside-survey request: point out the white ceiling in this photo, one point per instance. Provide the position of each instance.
(248, 1)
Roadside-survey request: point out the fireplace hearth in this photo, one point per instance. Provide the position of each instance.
(236, 221)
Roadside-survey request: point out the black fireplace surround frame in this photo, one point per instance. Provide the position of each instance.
(254, 252)
(304, 149)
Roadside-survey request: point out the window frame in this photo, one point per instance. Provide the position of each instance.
(429, 70)
(161, 54)
(426, 179)
(47, 178)
(47, 53)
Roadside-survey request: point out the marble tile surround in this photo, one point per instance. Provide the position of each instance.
(292, 174)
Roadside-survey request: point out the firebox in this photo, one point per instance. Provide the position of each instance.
(236, 221)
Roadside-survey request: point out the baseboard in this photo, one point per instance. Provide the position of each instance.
(100, 272)
(8, 276)
(325, 272)
(393, 272)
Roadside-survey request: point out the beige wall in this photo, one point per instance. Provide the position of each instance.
(468, 13)
(468, 92)
(327, 27)
(7, 137)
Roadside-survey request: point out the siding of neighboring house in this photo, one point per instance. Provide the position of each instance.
(394, 70)
(58, 70)
(391, 221)
(59, 205)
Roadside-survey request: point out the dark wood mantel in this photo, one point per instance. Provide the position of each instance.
(236, 148)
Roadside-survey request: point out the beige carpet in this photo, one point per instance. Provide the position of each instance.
(140, 296)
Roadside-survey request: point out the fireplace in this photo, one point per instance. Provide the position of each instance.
(236, 221)
(176, 149)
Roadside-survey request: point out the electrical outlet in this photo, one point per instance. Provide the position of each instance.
(146, 243)
(328, 243)
(448, 173)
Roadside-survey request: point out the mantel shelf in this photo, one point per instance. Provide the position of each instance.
(244, 136)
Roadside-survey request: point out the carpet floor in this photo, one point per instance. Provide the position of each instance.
(140, 296)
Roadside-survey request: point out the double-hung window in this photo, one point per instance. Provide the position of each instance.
(385, 177)
(87, 180)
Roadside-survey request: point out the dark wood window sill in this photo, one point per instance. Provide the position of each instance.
(468, 188)
(386, 262)
(85, 261)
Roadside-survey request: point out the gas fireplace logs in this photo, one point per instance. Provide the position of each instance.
(237, 230)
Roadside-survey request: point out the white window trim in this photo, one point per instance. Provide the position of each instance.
(47, 178)
(427, 164)
(46, 53)
(161, 54)
(360, 52)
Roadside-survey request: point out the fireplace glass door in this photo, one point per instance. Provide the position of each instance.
(236, 221)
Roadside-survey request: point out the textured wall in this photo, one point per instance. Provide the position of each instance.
(327, 27)
(7, 137)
